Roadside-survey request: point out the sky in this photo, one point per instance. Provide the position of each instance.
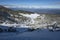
(31, 3)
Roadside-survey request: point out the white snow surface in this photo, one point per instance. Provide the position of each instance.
(35, 15)
(32, 21)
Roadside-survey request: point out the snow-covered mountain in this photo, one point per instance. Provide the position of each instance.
(27, 19)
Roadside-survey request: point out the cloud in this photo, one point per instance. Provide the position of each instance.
(32, 6)
(21, 6)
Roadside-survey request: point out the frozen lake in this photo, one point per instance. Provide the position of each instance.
(34, 35)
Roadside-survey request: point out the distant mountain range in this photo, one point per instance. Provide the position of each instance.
(43, 11)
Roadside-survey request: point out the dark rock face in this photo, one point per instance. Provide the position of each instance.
(4, 14)
(1, 30)
(53, 28)
(11, 29)
(31, 30)
(7, 29)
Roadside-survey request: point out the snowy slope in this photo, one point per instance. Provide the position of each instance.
(27, 19)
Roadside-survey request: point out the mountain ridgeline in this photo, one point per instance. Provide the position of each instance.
(6, 14)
